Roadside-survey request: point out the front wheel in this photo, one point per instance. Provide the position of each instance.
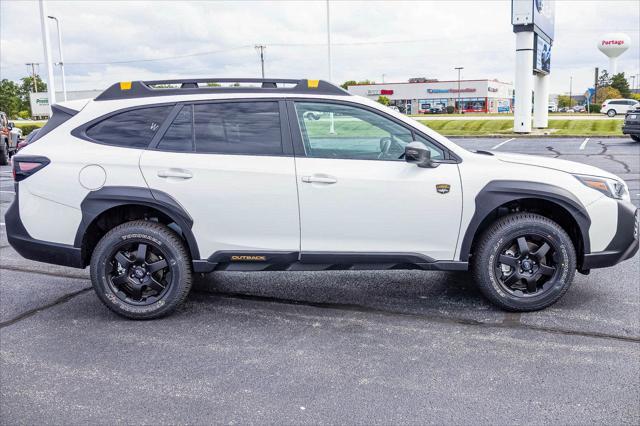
(141, 270)
(524, 262)
(611, 113)
(636, 138)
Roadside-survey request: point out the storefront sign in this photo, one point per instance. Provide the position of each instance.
(39, 104)
(466, 90)
(542, 55)
(376, 92)
(492, 89)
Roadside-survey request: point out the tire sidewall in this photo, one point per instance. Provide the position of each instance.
(560, 282)
(99, 265)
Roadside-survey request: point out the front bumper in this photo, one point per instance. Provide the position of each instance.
(41, 251)
(624, 244)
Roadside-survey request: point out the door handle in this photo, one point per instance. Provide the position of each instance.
(175, 173)
(319, 179)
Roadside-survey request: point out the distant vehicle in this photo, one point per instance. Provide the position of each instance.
(8, 139)
(26, 141)
(579, 108)
(553, 107)
(395, 108)
(613, 107)
(631, 125)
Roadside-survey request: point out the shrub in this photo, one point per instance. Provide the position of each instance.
(27, 128)
(594, 108)
(450, 109)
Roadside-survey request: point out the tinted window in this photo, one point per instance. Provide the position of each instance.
(238, 128)
(179, 135)
(347, 132)
(134, 128)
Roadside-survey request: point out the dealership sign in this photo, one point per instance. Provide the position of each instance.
(381, 92)
(39, 104)
(541, 55)
(534, 15)
(466, 90)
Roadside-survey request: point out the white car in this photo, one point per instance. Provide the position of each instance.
(553, 107)
(613, 107)
(149, 184)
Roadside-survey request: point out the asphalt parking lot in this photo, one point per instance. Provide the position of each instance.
(327, 347)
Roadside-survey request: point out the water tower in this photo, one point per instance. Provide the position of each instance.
(613, 45)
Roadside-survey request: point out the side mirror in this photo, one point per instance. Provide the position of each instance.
(418, 154)
(11, 125)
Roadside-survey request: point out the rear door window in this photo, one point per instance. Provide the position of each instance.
(132, 129)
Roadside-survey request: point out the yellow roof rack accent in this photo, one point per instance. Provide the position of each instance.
(125, 85)
(313, 84)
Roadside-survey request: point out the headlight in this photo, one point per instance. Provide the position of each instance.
(610, 187)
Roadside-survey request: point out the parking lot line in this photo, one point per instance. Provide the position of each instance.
(8, 192)
(502, 143)
(584, 143)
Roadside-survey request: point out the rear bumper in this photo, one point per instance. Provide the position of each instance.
(631, 129)
(624, 244)
(41, 251)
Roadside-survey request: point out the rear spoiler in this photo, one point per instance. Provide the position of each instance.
(59, 114)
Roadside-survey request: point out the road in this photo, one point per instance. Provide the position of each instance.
(327, 347)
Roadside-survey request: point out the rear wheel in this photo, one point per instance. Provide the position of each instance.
(611, 113)
(4, 154)
(141, 270)
(524, 262)
(635, 137)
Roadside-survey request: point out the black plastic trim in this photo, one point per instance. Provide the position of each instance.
(624, 243)
(59, 115)
(497, 193)
(97, 202)
(320, 261)
(144, 89)
(30, 248)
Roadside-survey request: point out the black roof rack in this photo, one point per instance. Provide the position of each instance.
(145, 89)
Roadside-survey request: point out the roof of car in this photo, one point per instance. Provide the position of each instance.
(144, 89)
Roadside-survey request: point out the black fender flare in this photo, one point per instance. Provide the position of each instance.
(108, 197)
(499, 192)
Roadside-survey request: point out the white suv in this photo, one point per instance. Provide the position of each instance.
(613, 107)
(154, 181)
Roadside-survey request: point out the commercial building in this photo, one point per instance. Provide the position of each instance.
(40, 100)
(435, 96)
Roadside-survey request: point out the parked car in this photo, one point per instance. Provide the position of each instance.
(8, 139)
(553, 107)
(579, 108)
(631, 125)
(613, 107)
(149, 185)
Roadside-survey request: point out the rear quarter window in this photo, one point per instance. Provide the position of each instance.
(133, 128)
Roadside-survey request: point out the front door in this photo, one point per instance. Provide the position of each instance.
(358, 195)
(231, 167)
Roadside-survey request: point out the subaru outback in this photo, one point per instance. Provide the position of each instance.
(152, 182)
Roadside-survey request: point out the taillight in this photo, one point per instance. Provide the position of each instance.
(25, 166)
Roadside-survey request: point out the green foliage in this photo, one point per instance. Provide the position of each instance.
(28, 128)
(594, 108)
(607, 92)
(383, 100)
(604, 79)
(9, 97)
(348, 83)
(635, 96)
(564, 101)
(620, 83)
(505, 127)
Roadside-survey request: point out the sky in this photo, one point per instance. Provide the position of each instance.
(105, 42)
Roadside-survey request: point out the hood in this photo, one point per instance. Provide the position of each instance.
(554, 163)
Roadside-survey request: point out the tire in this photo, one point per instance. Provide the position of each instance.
(141, 283)
(611, 113)
(636, 138)
(4, 154)
(510, 287)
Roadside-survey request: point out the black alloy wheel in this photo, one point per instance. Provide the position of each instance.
(140, 273)
(526, 265)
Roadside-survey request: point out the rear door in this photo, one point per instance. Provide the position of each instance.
(231, 166)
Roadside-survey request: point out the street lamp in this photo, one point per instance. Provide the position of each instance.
(61, 63)
(459, 104)
(571, 92)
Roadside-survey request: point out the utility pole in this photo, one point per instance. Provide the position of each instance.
(570, 91)
(595, 87)
(329, 44)
(383, 78)
(46, 45)
(61, 63)
(459, 104)
(33, 66)
(261, 47)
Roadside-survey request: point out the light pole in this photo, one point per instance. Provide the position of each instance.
(261, 48)
(459, 104)
(46, 45)
(61, 63)
(332, 127)
(570, 91)
(383, 78)
(633, 83)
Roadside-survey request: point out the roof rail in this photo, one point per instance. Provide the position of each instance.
(145, 89)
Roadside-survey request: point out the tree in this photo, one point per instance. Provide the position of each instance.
(10, 101)
(620, 83)
(348, 83)
(605, 93)
(604, 80)
(564, 101)
(383, 100)
(26, 87)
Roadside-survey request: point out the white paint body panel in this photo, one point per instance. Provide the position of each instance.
(237, 202)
